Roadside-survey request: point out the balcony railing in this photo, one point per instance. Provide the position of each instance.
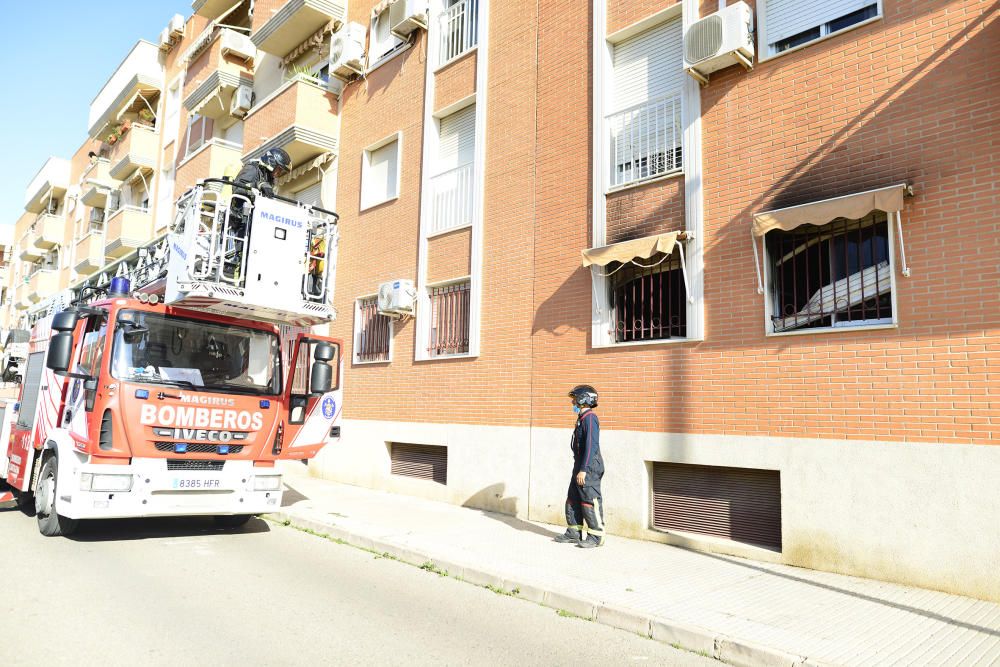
(136, 149)
(47, 231)
(90, 252)
(52, 179)
(645, 140)
(42, 283)
(127, 229)
(451, 199)
(459, 29)
(281, 25)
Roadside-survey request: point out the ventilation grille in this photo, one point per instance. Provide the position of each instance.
(739, 504)
(197, 448)
(420, 461)
(704, 39)
(183, 464)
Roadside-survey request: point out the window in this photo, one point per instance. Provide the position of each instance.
(648, 301)
(382, 43)
(449, 321)
(380, 172)
(451, 186)
(459, 28)
(645, 127)
(834, 275)
(372, 332)
(199, 131)
(788, 24)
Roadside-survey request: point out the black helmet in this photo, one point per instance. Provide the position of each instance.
(276, 160)
(584, 395)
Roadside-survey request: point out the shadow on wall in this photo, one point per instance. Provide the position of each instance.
(502, 508)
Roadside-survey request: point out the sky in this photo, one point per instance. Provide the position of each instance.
(58, 54)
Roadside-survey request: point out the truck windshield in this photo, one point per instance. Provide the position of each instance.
(195, 354)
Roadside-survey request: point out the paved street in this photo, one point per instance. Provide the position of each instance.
(180, 591)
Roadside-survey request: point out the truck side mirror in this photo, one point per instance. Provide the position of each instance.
(60, 352)
(321, 378)
(65, 320)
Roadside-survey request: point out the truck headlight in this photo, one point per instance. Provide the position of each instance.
(100, 482)
(266, 482)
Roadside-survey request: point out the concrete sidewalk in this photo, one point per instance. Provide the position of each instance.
(740, 611)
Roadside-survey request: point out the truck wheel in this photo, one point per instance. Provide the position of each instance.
(232, 521)
(50, 524)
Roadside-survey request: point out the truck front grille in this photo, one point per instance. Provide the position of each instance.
(197, 448)
(187, 464)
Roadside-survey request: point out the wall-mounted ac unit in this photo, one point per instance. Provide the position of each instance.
(239, 45)
(347, 51)
(405, 16)
(242, 101)
(396, 297)
(166, 42)
(719, 40)
(176, 25)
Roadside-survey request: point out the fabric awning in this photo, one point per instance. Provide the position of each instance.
(626, 251)
(380, 7)
(146, 94)
(852, 207)
(300, 171)
(215, 97)
(314, 41)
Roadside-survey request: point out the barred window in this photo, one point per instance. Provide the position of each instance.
(834, 275)
(372, 332)
(648, 302)
(449, 321)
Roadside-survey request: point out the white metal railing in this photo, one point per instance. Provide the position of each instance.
(459, 29)
(645, 140)
(451, 199)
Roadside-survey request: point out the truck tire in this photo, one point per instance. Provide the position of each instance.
(232, 521)
(50, 523)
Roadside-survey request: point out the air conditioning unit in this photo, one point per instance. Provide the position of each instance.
(396, 297)
(722, 39)
(242, 101)
(166, 42)
(405, 16)
(237, 44)
(176, 26)
(347, 51)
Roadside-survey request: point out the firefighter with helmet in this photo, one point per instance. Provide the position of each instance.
(583, 499)
(262, 173)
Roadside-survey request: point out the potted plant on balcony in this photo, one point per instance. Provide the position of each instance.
(147, 116)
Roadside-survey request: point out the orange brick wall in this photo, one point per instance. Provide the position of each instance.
(623, 13)
(909, 98)
(455, 82)
(448, 256)
(646, 209)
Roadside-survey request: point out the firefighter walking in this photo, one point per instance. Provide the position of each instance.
(584, 504)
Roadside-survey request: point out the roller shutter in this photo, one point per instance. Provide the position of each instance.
(649, 65)
(457, 139)
(420, 461)
(740, 504)
(786, 18)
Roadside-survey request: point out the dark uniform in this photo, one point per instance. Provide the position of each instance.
(585, 503)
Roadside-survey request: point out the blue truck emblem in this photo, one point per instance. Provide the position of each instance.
(329, 407)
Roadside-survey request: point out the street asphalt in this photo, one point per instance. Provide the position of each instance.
(180, 591)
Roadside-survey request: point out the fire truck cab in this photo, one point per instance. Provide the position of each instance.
(136, 407)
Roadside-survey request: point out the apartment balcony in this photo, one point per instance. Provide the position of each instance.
(42, 283)
(219, 62)
(140, 74)
(136, 149)
(47, 232)
(97, 184)
(281, 25)
(127, 228)
(50, 182)
(210, 160)
(451, 200)
(26, 249)
(305, 111)
(21, 297)
(90, 253)
(210, 9)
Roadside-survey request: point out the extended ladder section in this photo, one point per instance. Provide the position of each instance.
(233, 253)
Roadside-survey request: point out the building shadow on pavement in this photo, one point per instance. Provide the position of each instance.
(493, 504)
(291, 496)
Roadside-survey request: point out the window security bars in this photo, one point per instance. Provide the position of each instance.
(449, 319)
(837, 275)
(372, 332)
(648, 302)
(459, 29)
(645, 140)
(451, 199)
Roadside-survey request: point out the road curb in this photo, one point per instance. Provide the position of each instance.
(692, 638)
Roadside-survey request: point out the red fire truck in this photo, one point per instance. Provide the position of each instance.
(173, 387)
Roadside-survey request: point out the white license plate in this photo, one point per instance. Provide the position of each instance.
(196, 483)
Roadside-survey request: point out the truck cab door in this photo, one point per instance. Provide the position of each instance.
(312, 416)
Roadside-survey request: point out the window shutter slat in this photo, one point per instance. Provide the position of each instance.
(457, 139)
(786, 18)
(649, 65)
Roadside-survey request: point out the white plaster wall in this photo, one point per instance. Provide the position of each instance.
(920, 514)
(487, 466)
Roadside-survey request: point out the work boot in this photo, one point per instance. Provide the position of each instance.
(570, 536)
(591, 542)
